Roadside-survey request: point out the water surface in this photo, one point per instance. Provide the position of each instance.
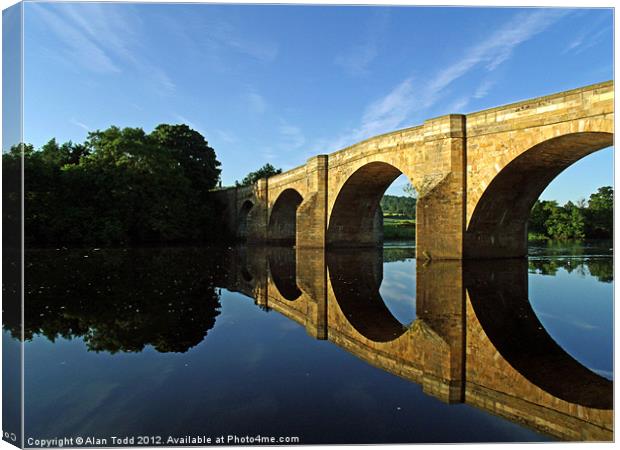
(348, 347)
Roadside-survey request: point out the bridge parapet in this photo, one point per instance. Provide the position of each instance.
(588, 101)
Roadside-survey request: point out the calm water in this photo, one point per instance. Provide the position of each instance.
(358, 347)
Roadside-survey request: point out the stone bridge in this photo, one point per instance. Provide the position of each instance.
(475, 339)
(477, 177)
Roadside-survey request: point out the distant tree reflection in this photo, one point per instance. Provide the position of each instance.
(394, 254)
(600, 268)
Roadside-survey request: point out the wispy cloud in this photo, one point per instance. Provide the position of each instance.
(100, 38)
(263, 51)
(390, 111)
(255, 102)
(292, 136)
(215, 38)
(269, 154)
(79, 48)
(82, 125)
(397, 106)
(184, 120)
(386, 113)
(218, 135)
(161, 78)
(495, 49)
(225, 136)
(357, 59)
(576, 322)
(102, 26)
(227, 34)
(483, 89)
(587, 39)
(458, 105)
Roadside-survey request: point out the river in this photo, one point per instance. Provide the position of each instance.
(363, 346)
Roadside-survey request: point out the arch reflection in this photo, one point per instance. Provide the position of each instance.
(283, 270)
(356, 277)
(476, 338)
(499, 297)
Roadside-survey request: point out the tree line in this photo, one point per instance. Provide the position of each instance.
(120, 186)
(582, 220)
(126, 186)
(264, 172)
(398, 205)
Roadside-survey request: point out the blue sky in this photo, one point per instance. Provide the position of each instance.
(279, 84)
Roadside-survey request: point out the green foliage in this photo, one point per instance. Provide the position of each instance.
(189, 148)
(398, 217)
(539, 215)
(264, 172)
(121, 186)
(399, 230)
(574, 221)
(398, 227)
(398, 205)
(566, 222)
(600, 213)
(12, 195)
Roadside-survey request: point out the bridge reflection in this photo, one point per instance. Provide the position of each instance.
(475, 339)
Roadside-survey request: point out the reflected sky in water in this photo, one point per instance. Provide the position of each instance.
(571, 291)
(94, 368)
(398, 287)
(578, 317)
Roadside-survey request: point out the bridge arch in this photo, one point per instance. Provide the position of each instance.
(243, 219)
(356, 219)
(283, 217)
(498, 224)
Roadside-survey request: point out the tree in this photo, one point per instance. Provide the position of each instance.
(139, 189)
(59, 155)
(410, 190)
(193, 153)
(574, 221)
(566, 222)
(539, 215)
(119, 186)
(599, 216)
(12, 195)
(264, 172)
(404, 206)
